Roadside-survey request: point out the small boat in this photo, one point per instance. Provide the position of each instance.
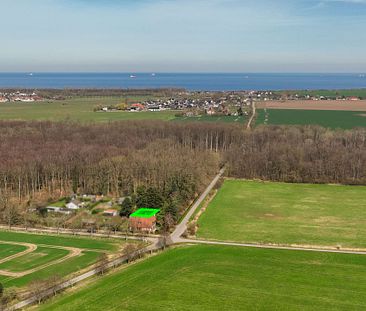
(31, 74)
(153, 74)
(132, 76)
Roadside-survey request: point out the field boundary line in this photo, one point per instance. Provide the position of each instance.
(271, 246)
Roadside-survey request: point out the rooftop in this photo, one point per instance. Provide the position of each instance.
(145, 213)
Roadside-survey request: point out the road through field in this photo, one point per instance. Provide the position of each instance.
(182, 226)
(254, 110)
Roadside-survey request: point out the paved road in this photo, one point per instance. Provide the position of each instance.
(182, 226)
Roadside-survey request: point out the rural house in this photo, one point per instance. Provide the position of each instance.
(72, 206)
(110, 213)
(143, 219)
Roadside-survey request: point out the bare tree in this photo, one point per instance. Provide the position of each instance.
(102, 263)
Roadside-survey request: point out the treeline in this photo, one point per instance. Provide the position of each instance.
(300, 154)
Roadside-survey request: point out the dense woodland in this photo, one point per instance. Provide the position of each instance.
(171, 162)
(305, 154)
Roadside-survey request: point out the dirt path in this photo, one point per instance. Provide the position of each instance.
(30, 248)
(73, 252)
(254, 110)
(267, 246)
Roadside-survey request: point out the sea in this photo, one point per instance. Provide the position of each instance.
(188, 81)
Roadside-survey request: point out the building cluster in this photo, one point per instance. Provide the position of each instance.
(211, 102)
(142, 220)
(318, 97)
(19, 97)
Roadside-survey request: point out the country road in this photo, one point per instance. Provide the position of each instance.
(182, 226)
(254, 110)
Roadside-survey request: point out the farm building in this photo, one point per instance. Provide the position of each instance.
(110, 213)
(144, 219)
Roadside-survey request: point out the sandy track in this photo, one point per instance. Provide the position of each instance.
(73, 252)
(30, 248)
(342, 105)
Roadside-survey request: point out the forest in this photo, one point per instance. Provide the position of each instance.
(170, 162)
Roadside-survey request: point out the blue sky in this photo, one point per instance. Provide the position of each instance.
(183, 35)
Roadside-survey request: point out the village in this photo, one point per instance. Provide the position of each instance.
(19, 97)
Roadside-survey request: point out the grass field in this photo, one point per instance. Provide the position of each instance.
(76, 109)
(51, 255)
(81, 109)
(7, 250)
(326, 118)
(227, 278)
(303, 214)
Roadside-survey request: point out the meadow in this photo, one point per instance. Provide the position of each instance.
(80, 109)
(226, 278)
(280, 213)
(325, 118)
(52, 255)
(76, 109)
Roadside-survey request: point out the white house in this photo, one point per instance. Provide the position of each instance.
(56, 209)
(72, 206)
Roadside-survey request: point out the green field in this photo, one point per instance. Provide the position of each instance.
(76, 109)
(48, 257)
(303, 214)
(40, 256)
(227, 278)
(325, 118)
(59, 240)
(7, 250)
(81, 109)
